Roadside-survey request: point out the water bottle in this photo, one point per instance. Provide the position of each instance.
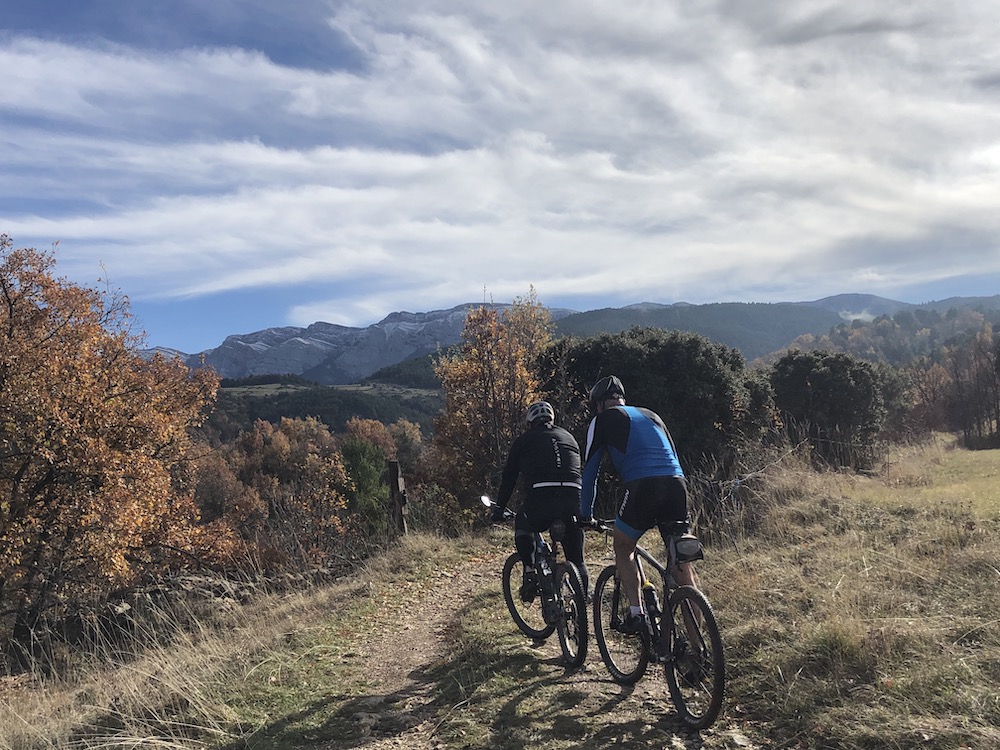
(652, 600)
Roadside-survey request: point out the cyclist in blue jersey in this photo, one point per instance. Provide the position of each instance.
(639, 445)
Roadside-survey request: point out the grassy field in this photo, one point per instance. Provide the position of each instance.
(862, 612)
(858, 613)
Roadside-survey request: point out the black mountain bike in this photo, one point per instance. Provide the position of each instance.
(563, 607)
(683, 636)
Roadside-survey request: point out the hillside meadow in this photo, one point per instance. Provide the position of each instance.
(859, 612)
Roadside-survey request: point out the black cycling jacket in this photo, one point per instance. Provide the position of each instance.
(544, 456)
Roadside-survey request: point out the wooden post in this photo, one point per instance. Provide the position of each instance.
(397, 498)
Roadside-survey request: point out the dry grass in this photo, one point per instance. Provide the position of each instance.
(858, 612)
(936, 473)
(863, 613)
(214, 685)
(171, 694)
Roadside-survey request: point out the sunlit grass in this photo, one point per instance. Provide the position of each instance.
(277, 669)
(937, 474)
(862, 614)
(858, 613)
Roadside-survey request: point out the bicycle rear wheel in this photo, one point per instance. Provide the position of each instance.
(526, 615)
(572, 624)
(625, 656)
(695, 671)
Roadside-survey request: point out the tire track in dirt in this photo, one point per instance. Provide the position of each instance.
(399, 711)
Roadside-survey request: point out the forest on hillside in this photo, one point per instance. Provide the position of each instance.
(118, 472)
(754, 328)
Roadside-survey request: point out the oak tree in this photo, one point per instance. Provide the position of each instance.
(89, 431)
(487, 384)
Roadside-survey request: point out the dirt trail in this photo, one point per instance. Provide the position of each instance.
(400, 712)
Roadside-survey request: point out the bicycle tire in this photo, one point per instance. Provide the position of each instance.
(696, 677)
(526, 615)
(625, 656)
(572, 625)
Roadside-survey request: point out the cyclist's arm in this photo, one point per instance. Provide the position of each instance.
(591, 470)
(508, 479)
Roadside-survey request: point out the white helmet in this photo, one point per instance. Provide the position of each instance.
(540, 411)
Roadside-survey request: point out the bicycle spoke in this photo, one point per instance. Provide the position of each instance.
(572, 625)
(695, 671)
(526, 615)
(625, 656)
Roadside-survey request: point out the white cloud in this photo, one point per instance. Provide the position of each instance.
(713, 151)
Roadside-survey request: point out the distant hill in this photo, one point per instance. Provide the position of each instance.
(860, 306)
(944, 305)
(755, 329)
(242, 402)
(338, 355)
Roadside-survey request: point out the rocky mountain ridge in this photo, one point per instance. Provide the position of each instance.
(333, 354)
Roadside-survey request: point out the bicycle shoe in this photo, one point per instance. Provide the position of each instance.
(529, 586)
(634, 624)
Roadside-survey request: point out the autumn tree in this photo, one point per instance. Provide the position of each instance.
(89, 431)
(374, 432)
(973, 363)
(407, 438)
(931, 385)
(366, 446)
(295, 510)
(487, 383)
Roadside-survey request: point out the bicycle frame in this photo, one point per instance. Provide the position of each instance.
(656, 644)
(560, 588)
(546, 560)
(669, 584)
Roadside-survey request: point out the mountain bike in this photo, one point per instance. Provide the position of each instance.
(559, 588)
(683, 635)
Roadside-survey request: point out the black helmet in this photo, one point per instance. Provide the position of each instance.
(605, 388)
(540, 410)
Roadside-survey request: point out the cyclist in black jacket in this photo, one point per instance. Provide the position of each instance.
(548, 460)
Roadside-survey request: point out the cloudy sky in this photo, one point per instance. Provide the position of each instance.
(240, 164)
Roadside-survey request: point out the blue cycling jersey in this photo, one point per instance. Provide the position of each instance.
(638, 444)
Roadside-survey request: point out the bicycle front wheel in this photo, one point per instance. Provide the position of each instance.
(624, 655)
(572, 623)
(695, 669)
(526, 615)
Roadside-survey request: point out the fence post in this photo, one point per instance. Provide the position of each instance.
(397, 498)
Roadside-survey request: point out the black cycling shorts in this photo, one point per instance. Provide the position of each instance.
(653, 501)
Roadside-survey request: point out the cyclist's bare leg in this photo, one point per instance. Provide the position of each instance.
(685, 575)
(628, 573)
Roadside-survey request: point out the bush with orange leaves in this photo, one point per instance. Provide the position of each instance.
(89, 432)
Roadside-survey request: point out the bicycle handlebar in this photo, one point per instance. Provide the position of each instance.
(597, 524)
(594, 524)
(490, 503)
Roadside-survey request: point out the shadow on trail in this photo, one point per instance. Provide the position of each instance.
(482, 695)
